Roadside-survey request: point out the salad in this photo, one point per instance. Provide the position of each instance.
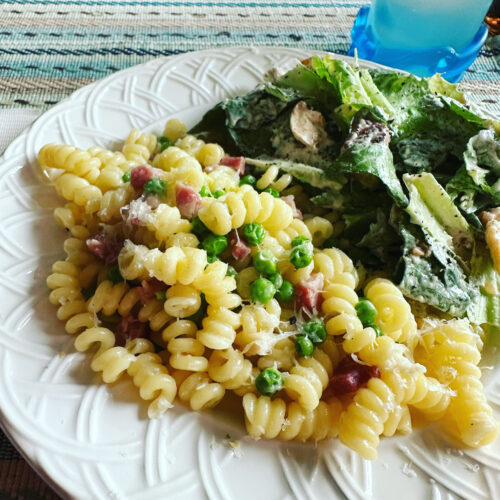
(411, 169)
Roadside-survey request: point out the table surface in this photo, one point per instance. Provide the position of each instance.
(50, 48)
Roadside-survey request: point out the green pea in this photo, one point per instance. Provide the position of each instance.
(248, 179)
(160, 295)
(218, 193)
(366, 311)
(302, 255)
(269, 382)
(164, 142)
(285, 292)
(272, 192)
(88, 292)
(262, 291)
(114, 275)
(254, 233)
(126, 176)
(205, 192)
(198, 228)
(314, 330)
(214, 244)
(299, 240)
(265, 262)
(155, 186)
(276, 280)
(231, 271)
(212, 258)
(303, 346)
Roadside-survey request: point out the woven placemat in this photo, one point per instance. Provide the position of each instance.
(50, 48)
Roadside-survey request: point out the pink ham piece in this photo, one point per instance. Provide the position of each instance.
(235, 162)
(188, 200)
(349, 376)
(104, 247)
(141, 174)
(290, 201)
(308, 292)
(148, 289)
(130, 328)
(239, 249)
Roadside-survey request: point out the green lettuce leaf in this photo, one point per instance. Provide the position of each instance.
(370, 158)
(439, 85)
(433, 210)
(476, 184)
(246, 123)
(485, 308)
(430, 274)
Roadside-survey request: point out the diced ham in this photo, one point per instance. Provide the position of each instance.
(308, 292)
(188, 200)
(349, 376)
(105, 247)
(239, 249)
(130, 328)
(148, 289)
(235, 162)
(290, 201)
(140, 175)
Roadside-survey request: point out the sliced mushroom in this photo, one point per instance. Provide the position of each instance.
(308, 126)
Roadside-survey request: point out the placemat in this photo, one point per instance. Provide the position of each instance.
(50, 48)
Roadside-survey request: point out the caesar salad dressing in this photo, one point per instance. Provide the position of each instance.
(287, 147)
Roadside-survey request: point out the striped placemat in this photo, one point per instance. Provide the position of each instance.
(50, 48)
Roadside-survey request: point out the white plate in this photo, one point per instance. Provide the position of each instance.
(94, 441)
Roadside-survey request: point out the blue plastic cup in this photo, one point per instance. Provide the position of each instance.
(422, 36)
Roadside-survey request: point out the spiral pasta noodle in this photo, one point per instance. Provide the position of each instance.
(155, 384)
(199, 390)
(139, 146)
(186, 352)
(110, 360)
(113, 166)
(271, 179)
(243, 206)
(70, 159)
(453, 356)
(307, 380)
(219, 328)
(394, 314)
(272, 419)
(230, 368)
(66, 294)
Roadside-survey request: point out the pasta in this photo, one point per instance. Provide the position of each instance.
(154, 382)
(193, 280)
(243, 206)
(277, 419)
